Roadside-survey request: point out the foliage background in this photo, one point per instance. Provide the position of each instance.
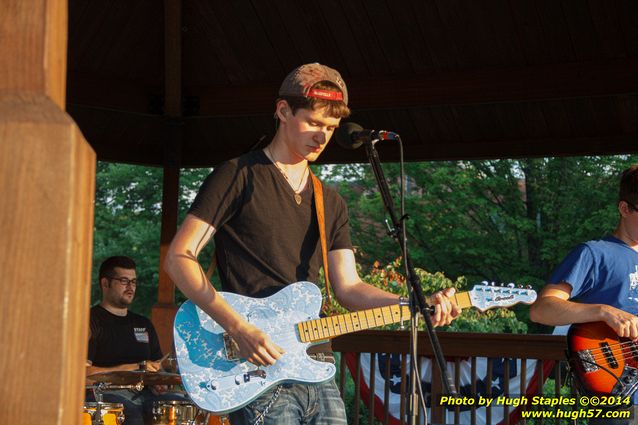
(469, 221)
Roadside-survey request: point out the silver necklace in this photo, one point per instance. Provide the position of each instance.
(297, 191)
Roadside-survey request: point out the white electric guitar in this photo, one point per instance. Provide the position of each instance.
(219, 381)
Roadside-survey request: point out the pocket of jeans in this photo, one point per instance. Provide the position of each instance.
(261, 402)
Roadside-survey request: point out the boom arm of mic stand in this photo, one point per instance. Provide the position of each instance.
(413, 279)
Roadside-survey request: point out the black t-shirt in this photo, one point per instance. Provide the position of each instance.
(116, 340)
(264, 240)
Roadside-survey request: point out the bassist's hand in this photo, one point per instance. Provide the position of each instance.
(623, 323)
(255, 346)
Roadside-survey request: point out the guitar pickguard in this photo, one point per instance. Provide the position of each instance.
(220, 385)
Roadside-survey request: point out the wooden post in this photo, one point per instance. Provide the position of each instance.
(164, 311)
(47, 175)
(437, 412)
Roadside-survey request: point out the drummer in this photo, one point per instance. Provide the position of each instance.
(121, 340)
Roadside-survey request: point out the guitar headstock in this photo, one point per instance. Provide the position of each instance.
(490, 295)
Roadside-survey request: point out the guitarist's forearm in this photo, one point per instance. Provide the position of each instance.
(184, 269)
(554, 311)
(361, 295)
(191, 280)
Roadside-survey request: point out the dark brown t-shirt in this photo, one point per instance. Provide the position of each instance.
(264, 240)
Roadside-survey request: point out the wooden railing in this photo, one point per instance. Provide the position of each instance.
(547, 349)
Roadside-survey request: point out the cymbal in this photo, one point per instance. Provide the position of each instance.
(132, 377)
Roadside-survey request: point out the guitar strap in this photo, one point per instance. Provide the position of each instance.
(212, 266)
(321, 220)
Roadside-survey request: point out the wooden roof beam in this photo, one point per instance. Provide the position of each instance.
(501, 148)
(555, 81)
(476, 86)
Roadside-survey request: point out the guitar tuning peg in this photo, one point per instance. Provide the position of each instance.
(520, 286)
(511, 285)
(484, 282)
(528, 286)
(493, 284)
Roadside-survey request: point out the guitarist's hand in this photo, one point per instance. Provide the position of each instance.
(444, 309)
(255, 346)
(623, 323)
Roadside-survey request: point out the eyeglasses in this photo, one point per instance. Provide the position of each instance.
(125, 281)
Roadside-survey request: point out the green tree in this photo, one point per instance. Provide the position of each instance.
(128, 207)
(495, 220)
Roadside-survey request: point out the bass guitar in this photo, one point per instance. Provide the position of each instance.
(219, 381)
(602, 362)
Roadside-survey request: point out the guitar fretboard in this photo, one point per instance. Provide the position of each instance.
(330, 327)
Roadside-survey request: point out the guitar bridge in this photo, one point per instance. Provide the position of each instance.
(232, 381)
(231, 348)
(587, 361)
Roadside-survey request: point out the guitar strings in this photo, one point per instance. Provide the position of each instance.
(626, 348)
(625, 356)
(612, 349)
(388, 317)
(339, 329)
(620, 344)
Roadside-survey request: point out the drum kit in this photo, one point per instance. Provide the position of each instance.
(168, 412)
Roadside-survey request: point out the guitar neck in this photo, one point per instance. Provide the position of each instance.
(330, 327)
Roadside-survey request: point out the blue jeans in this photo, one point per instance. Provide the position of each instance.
(138, 405)
(316, 404)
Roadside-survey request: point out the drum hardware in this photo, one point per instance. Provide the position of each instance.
(181, 412)
(164, 412)
(98, 413)
(98, 389)
(207, 418)
(175, 412)
(134, 377)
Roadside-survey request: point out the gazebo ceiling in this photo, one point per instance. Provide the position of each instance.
(457, 79)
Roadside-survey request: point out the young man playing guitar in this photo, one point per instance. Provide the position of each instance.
(261, 211)
(598, 280)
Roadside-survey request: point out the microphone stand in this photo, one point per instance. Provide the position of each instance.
(417, 300)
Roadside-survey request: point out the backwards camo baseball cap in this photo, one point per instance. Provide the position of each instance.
(300, 81)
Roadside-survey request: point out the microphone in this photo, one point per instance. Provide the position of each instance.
(351, 135)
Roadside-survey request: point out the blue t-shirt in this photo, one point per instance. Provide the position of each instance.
(601, 272)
